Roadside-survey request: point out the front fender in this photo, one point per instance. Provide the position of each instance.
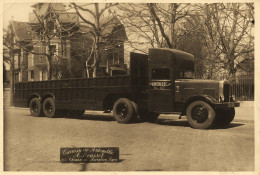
(210, 100)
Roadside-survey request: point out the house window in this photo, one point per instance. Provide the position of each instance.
(33, 60)
(54, 50)
(16, 61)
(40, 75)
(20, 76)
(115, 57)
(44, 75)
(31, 75)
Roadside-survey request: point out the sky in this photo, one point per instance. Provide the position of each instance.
(19, 12)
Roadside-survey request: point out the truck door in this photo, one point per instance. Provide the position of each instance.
(160, 90)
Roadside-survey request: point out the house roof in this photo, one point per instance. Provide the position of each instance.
(22, 30)
(43, 8)
(112, 27)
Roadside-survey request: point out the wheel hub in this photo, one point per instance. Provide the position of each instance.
(199, 113)
(48, 108)
(122, 111)
(35, 107)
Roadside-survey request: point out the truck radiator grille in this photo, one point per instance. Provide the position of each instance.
(226, 92)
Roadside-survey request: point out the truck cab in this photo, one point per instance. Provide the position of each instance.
(172, 88)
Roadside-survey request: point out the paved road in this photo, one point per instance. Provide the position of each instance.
(33, 144)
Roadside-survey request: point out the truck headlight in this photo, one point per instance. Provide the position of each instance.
(221, 93)
(221, 98)
(233, 98)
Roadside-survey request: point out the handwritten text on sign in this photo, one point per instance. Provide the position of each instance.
(100, 154)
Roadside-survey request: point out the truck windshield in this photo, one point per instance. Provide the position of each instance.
(184, 74)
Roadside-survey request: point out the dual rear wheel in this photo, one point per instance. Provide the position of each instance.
(48, 109)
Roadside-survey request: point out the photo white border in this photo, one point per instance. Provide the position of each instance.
(257, 87)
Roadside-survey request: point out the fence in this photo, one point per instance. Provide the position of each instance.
(243, 88)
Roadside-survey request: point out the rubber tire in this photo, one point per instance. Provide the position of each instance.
(224, 117)
(39, 112)
(130, 115)
(52, 103)
(210, 118)
(148, 116)
(76, 113)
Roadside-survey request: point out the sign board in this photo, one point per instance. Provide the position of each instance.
(92, 154)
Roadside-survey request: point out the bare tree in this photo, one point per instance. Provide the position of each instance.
(48, 26)
(99, 26)
(229, 30)
(8, 47)
(156, 25)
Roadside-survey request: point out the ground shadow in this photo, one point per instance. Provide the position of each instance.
(185, 123)
(231, 125)
(107, 118)
(168, 122)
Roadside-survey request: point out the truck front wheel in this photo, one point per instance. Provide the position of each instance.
(123, 111)
(224, 117)
(200, 115)
(49, 108)
(35, 106)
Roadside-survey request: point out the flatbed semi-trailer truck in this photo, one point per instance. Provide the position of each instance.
(158, 83)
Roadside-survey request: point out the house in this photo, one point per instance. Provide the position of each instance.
(21, 39)
(46, 19)
(70, 47)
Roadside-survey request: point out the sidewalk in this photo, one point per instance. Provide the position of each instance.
(245, 112)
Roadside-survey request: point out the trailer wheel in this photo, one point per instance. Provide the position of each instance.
(123, 111)
(200, 115)
(35, 106)
(148, 116)
(76, 113)
(49, 108)
(224, 117)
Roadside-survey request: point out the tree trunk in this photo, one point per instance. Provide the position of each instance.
(96, 62)
(12, 69)
(49, 60)
(232, 73)
(12, 79)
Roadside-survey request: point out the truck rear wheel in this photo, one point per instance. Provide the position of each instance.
(123, 111)
(35, 106)
(224, 117)
(49, 107)
(200, 115)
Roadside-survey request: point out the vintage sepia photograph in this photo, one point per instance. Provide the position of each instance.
(129, 86)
